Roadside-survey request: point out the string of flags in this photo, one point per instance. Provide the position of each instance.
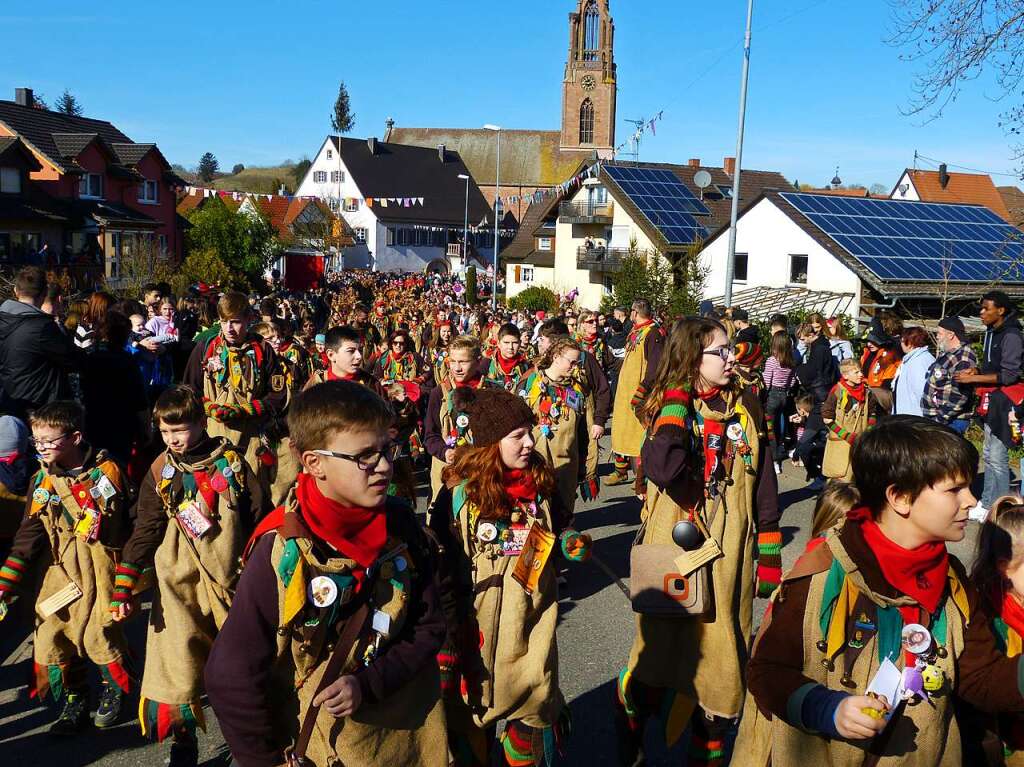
(349, 202)
(650, 125)
(564, 188)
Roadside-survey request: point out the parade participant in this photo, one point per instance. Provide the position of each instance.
(446, 425)
(559, 402)
(850, 409)
(75, 523)
(642, 355)
(881, 589)
(197, 506)
(592, 342)
(400, 363)
(881, 357)
(500, 504)
(439, 352)
(379, 320)
(243, 387)
(749, 355)
(507, 366)
(328, 653)
(285, 345)
(706, 463)
(343, 347)
(15, 469)
(369, 336)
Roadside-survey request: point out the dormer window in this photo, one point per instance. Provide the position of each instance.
(90, 185)
(10, 181)
(149, 192)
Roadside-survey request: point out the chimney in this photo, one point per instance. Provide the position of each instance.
(372, 144)
(729, 165)
(23, 96)
(441, 154)
(943, 176)
(694, 162)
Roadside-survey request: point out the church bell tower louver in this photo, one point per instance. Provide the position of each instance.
(588, 91)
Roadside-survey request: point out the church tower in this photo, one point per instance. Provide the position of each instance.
(588, 92)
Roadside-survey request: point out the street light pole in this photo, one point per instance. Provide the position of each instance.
(465, 227)
(730, 263)
(497, 200)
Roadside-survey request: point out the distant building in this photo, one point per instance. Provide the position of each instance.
(942, 186)
(1013, 199)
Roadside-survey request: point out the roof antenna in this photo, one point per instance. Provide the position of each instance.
(634, 140)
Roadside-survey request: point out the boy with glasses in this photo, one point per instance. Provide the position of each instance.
(76, 523)
(329, 651)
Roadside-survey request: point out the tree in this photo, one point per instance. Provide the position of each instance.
(878, 190)
(471, 297)
(673, 288)
(208, 167)
(342, 119)
(237, 168)
(68, 104)
(141, 262)
(955, 42)
(535, 298)
(245, 243)
(201, 266)
(300, 169)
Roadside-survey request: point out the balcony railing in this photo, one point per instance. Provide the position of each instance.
(585, 213)
(602, 259)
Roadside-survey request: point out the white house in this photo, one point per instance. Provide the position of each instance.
(406, 205)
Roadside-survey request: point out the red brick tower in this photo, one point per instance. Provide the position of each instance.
(588, 92)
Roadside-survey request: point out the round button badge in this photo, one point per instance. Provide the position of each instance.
(487, 532)
(323, 591)
(916, 638)
(734, 432)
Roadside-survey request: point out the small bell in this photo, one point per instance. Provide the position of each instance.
(822, 645)
(847, 681)
(828, 664)
(941, 651)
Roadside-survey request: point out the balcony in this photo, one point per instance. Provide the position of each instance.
(602, 259)
(585, 213)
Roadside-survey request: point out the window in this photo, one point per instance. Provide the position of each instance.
(591, 32)
(739, 273)
(337, 176)
(798, 269)
(390, 239)
(361, 234)
(114, 253)
(351, 204)
(19, 246)
(587, 122)
(10, 180)
(725, 191)
(90, 185)
(330, 154)
(527, 274)
(319, 177)
(163, 244)
(543, 243)
(148, 192)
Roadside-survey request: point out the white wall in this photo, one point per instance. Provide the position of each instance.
(911, 189)
(768, 237)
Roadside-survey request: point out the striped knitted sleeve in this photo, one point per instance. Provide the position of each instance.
(126, 576)
(842, 433)
(11, 573)
(675, 407)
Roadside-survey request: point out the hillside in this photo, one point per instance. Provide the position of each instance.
(263, 180)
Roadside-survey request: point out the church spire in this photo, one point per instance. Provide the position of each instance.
(588, 91)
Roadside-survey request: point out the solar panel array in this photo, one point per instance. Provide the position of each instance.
(919, 241)
(663, 200)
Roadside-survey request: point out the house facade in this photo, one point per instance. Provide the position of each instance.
(113, 195)
(407, 206)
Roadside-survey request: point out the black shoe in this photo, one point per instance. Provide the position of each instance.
(74, 717)
(184, 753)
(109, 710)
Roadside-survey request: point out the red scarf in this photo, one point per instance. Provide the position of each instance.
(1012, 612)
(710, 394)
(470, 383)
(857, 392)
(919, 573)
(507, 365)
(356, 532)
(332, 377)
(519, 486)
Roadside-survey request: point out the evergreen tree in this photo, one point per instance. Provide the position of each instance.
(238, 168)
(68, 104)
(208, 167)
(342, 119)
(300, 169)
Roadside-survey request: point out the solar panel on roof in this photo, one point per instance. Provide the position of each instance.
(919, 241)
(663, 200)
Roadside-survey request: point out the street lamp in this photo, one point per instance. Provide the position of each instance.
(465, 227)
(497, 198)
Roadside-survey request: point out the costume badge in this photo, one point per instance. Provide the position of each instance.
(486, 532)
(277, 382)
(514, 539)
(323, 591)
(106, 488)
(192, 520)
(236, 466)
(462, 421)
(218, 482)
(381, 623)
(40, 496)
(573, 400)
(734, 432)
(401, 564)
(167, 472)
(916, 638)
(214, 365)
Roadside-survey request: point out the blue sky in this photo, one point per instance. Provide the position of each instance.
(254, 82)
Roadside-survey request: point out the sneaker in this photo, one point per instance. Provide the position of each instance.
(778, 467)
(978, 513)
(616, 478)
(818, 483)
(74, 717)
(109, 710)
(184, 753)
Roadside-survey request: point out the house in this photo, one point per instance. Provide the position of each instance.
(1013, 199)
(313, 239)
(853, 255)
(942, 186)
(115, 195)
(28, 217)
(407, 206)
(579, 239)
(538, 160)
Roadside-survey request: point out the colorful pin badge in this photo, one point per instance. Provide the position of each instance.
(40, 496)
(916, 638)
(462, 421)
(323, 591)
(486, 532)
(227, 472)
(167, 472)
(218, 482)
(734, 432)
(236, 466)
(401, 564)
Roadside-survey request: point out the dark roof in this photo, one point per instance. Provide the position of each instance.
(70, 145)
(131, 154)
(400, 171)
(35, 206)
(1013, 197)
(106, 212)
(38, 126)
(12, 145)
(522, 249)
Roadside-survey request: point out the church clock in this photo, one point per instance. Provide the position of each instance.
(588, 82)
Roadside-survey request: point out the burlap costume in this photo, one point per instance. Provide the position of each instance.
(78, 530)
(702, 660)
(627, 431)
(850, 419)
(454, 428)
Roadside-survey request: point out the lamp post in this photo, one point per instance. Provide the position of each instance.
(730, 261)
(465, 227)
(497, 199)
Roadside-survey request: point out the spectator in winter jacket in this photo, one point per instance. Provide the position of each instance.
(35, 355)
(945, 399)
(908, 384)
(817, 374)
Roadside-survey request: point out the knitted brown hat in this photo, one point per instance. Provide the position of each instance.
(494, 414)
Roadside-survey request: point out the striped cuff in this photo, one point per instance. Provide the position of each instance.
(126, 576)
(12, 572)
(842, 433)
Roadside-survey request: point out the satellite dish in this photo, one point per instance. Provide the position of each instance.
(702, 179)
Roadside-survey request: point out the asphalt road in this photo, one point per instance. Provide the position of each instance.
(594, 637)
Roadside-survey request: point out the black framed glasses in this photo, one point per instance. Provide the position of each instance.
(368, 460)
(722, 352)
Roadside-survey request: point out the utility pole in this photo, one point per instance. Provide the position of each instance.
(730, 263)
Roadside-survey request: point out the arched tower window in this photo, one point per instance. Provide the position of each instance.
(591, 32)
(587, 122)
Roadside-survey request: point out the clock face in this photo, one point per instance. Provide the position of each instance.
(588, 82)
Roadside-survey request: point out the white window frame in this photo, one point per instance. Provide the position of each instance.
(746, 268)
(10, 181)
(544, 243)
(806, 275)
(85, 187)
(144, 192)
(337, 177)
(361, 234)
(527, 274)
(319, 177)
(330, 154)
(116, 252)
(352, 205)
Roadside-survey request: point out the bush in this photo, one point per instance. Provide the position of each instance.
(535, 298)
(204, 266)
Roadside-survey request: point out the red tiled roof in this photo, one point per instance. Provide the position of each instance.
(971, 188)
(1013, 198)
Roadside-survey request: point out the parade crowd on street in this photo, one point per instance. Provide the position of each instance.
(250, 463)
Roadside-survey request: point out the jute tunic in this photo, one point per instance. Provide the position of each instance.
(627, 431)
